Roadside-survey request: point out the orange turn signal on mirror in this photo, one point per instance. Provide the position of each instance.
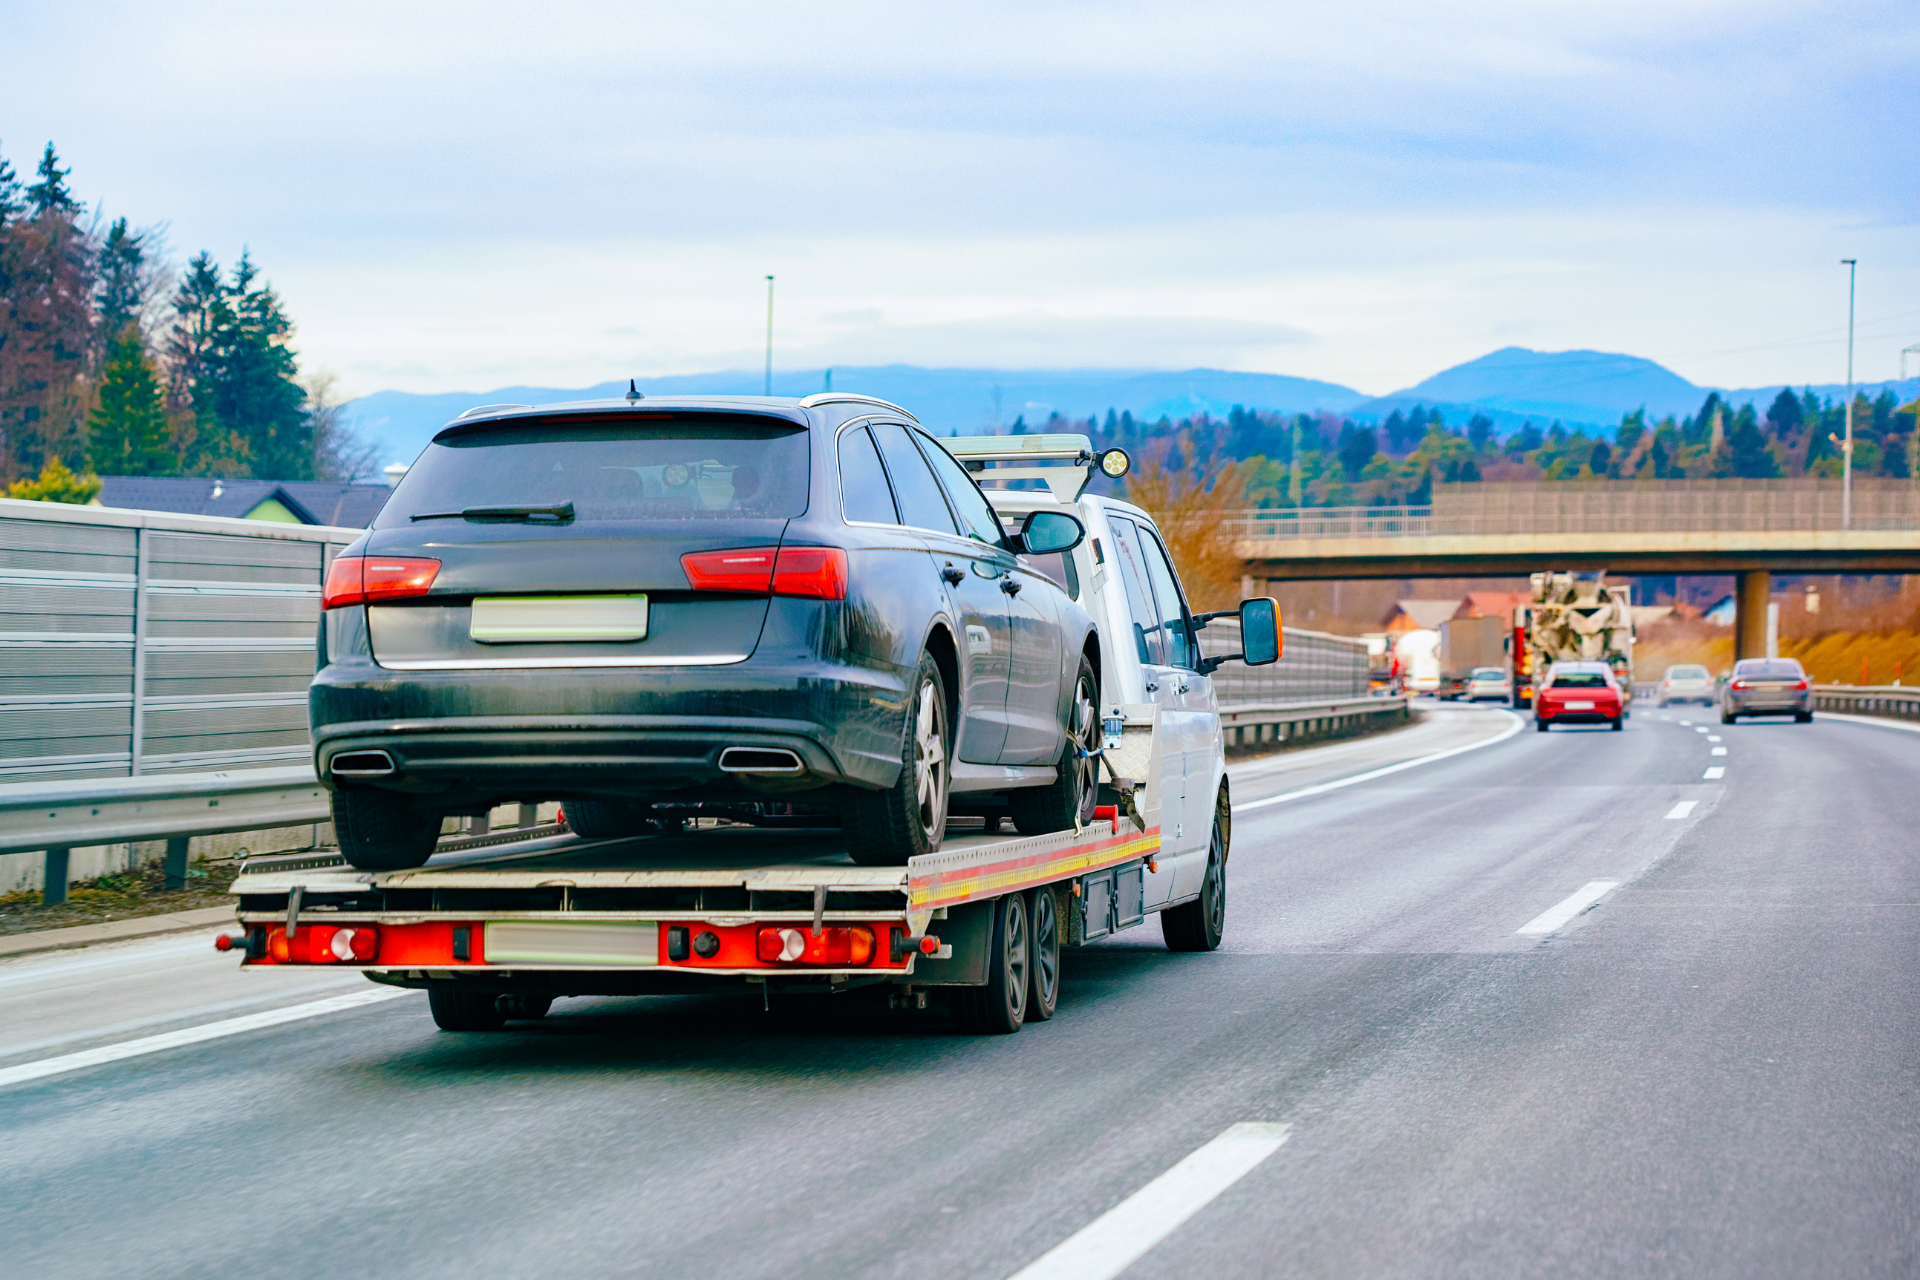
(365, 579)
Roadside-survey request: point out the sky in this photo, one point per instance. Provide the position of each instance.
(463, 196)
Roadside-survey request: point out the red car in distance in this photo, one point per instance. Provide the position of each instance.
(1578, 693)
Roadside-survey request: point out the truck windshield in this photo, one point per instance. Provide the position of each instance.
(1579, 680)
(677, 470)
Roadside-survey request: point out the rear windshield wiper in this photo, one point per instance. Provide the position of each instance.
(564, 511)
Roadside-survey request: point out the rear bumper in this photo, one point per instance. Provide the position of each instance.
(1769, 705)
(467, 736)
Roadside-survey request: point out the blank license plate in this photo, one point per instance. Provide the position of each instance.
(551, 619)
(635, 942)
(1579, 706)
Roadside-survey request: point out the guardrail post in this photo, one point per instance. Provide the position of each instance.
(54, 891)
(174, 870)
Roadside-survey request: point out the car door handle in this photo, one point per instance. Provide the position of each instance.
(1009, 586)
(953, 576)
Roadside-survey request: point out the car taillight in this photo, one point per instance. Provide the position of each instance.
(363, 579)
(1740, 684)
(737, 569)
(1799, 684)
(846, 946)
(818, 573)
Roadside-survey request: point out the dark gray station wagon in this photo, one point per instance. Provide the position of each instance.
(635, 603)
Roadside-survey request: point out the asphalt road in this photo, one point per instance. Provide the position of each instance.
(1710, 1070)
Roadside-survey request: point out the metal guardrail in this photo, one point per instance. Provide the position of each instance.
(1896, 702)
(1307, 720)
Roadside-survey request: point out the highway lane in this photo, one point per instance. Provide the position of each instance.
(1709, 1072)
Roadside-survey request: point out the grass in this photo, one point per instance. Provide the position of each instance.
(123, 895)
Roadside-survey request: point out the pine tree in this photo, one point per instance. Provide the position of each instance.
(122, 293)
(1747, 455)
(12, 204)
(1785, 413)
(233, 369)
(1479, 432)
(50, 194)
(127, 430)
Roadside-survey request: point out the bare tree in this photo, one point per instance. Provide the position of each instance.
(339, 452)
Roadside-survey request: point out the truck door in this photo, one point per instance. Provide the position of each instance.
(1195, 711)
(971, 571)
(1144, 632)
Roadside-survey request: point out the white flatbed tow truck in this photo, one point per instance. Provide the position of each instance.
(497, 928)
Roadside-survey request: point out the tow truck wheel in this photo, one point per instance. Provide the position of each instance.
(457, 1009)
(1000, 1007)
(383, 831)
(1198, 925)
(1068, 800)
(885, 828)
(525, 1008)
(1043, 989)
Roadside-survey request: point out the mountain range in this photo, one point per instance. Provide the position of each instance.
(1511, 386)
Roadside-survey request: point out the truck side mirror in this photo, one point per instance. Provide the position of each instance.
(1047, 532)
(1260, 631)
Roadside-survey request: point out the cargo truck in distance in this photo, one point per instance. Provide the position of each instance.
(1467, 645)
(1574, 617)
(764, 891)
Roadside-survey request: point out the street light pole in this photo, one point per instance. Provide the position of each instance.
(770, 335)
(1846, 448)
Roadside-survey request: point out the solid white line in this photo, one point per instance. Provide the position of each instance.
(1382, 772)
(1716, 772)
(191, 1035)
(1123, 1234)
(1682, 809)
(1561, 912)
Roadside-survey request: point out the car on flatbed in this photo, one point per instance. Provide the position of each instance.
(644, 606)
(497, 926)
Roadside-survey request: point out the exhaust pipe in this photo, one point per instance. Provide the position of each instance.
(759, 760)
(362, 764)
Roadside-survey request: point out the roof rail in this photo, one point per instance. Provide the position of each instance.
(479, 409)
(846, 397)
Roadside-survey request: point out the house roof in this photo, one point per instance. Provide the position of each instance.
(1427, 615)
(323, 502)
(1492, 604)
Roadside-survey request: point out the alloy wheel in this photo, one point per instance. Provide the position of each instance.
(930, 761)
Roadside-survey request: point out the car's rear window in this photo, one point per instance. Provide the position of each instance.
(1489, 673)
(1686, 673)
(1579, 680)
(1768, 669)
(685, 469)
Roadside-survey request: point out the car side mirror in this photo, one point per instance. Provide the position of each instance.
(1260, 631)
(1046, 532)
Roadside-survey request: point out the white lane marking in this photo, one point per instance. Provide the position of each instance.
(1682, 809)
(191, 1035)
(1718, 751)
(1123, 1234)
(1700, 728)
(1382, 772)
(1686, 723)
(1561, 912)
(1716, 771)
(1713, 737)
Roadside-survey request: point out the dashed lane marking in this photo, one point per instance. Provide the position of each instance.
(1715, 772)
(1123, 1234)
(1682, 809)
(192, 1035)
(1700, 728)
(1713, 737)
(1718, 751)
(1561, 912)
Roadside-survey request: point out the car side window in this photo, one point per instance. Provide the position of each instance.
(864, 493)
(977, 520)
(1133, 575)
(1173, 612)
(918, 493)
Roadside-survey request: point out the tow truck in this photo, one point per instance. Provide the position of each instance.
(496, 927)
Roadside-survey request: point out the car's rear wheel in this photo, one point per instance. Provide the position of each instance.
(1615, 726)
(612, 819)
(1068, 800)
(907, 819)
(1803, 717)
(1728, 717)
(1043, 989)
(1000, 1006)
(1540, 724)
(1199, 925)
(383, 831)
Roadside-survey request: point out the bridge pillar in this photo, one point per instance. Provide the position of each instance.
(1750, 595)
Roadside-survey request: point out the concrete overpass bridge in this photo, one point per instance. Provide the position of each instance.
(1749, 529)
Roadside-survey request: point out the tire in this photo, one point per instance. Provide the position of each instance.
(383, 831)
(1199, 925)
(1000, 1007)
(1539, 724)
(1616, 726)
(885, 828)
(528, 1008)
(611, 820)
(1043, 984)
(455, 1009)
(1803, 717)
(1067, 802)
(1729, 717)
